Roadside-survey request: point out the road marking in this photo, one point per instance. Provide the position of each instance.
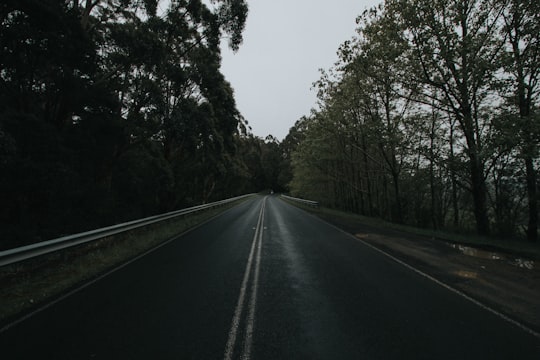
(250, 321)
(248, 340)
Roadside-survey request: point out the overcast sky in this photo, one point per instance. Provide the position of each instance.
(286, 42)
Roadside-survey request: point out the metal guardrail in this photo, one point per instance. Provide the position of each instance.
(30, 251)
(303, 201)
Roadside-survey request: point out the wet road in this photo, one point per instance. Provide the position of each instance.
(266, 280)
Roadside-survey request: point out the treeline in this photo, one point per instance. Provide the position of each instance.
(112, 110)
(431, 118)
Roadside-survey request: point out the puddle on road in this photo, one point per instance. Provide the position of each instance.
(525, 264)
(491, 255)
(482, 254)
(466, 274)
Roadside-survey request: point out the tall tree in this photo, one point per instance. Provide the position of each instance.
(456, 44)
(377, 64)
(521, 62)
(87, 86)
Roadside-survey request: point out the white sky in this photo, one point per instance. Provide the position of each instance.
(286, 42)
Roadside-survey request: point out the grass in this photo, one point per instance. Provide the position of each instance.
(513, 246)
(23, 286)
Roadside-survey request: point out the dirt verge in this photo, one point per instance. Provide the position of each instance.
(507, 282)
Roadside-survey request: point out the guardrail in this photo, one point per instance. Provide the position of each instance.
(34, 250)
(303, 201)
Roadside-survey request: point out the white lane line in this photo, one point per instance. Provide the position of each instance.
(233, 332)
(248, 339)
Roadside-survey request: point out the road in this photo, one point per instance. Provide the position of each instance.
(266, 280)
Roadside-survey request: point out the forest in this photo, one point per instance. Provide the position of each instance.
(113, 110)
(430, 118)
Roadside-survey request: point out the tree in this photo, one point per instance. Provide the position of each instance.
(287, 148)
(455, 43)
(430, 116)
(86, 87)
(376, 64)
(521, 62)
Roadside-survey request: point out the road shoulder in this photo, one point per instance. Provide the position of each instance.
(507, 283)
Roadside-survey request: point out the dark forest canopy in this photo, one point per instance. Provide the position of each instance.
(113, 110)
(431, 118)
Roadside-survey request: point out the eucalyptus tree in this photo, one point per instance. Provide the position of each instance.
(314, 161)
(437, 96)
(287, 148)
(102, 82)
(373, 66)
(47, 64)
(364, 128)
(521, 63)
(165, 72)
(456, 44)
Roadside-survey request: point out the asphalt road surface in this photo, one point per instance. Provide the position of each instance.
(266, 280)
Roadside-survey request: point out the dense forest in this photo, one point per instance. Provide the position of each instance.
(430, 118)
(112, 110)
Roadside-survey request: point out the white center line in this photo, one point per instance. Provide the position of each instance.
(256, 244)
(248, 340)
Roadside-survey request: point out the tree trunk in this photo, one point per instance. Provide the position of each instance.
(479, 194)
(470, 127)
(434, 207)
(368, 177)
(455, 204)
(476, 173)
(397, 194)
(532, 228)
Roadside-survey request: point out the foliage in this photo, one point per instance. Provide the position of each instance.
(112, 110)
(430, 118)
